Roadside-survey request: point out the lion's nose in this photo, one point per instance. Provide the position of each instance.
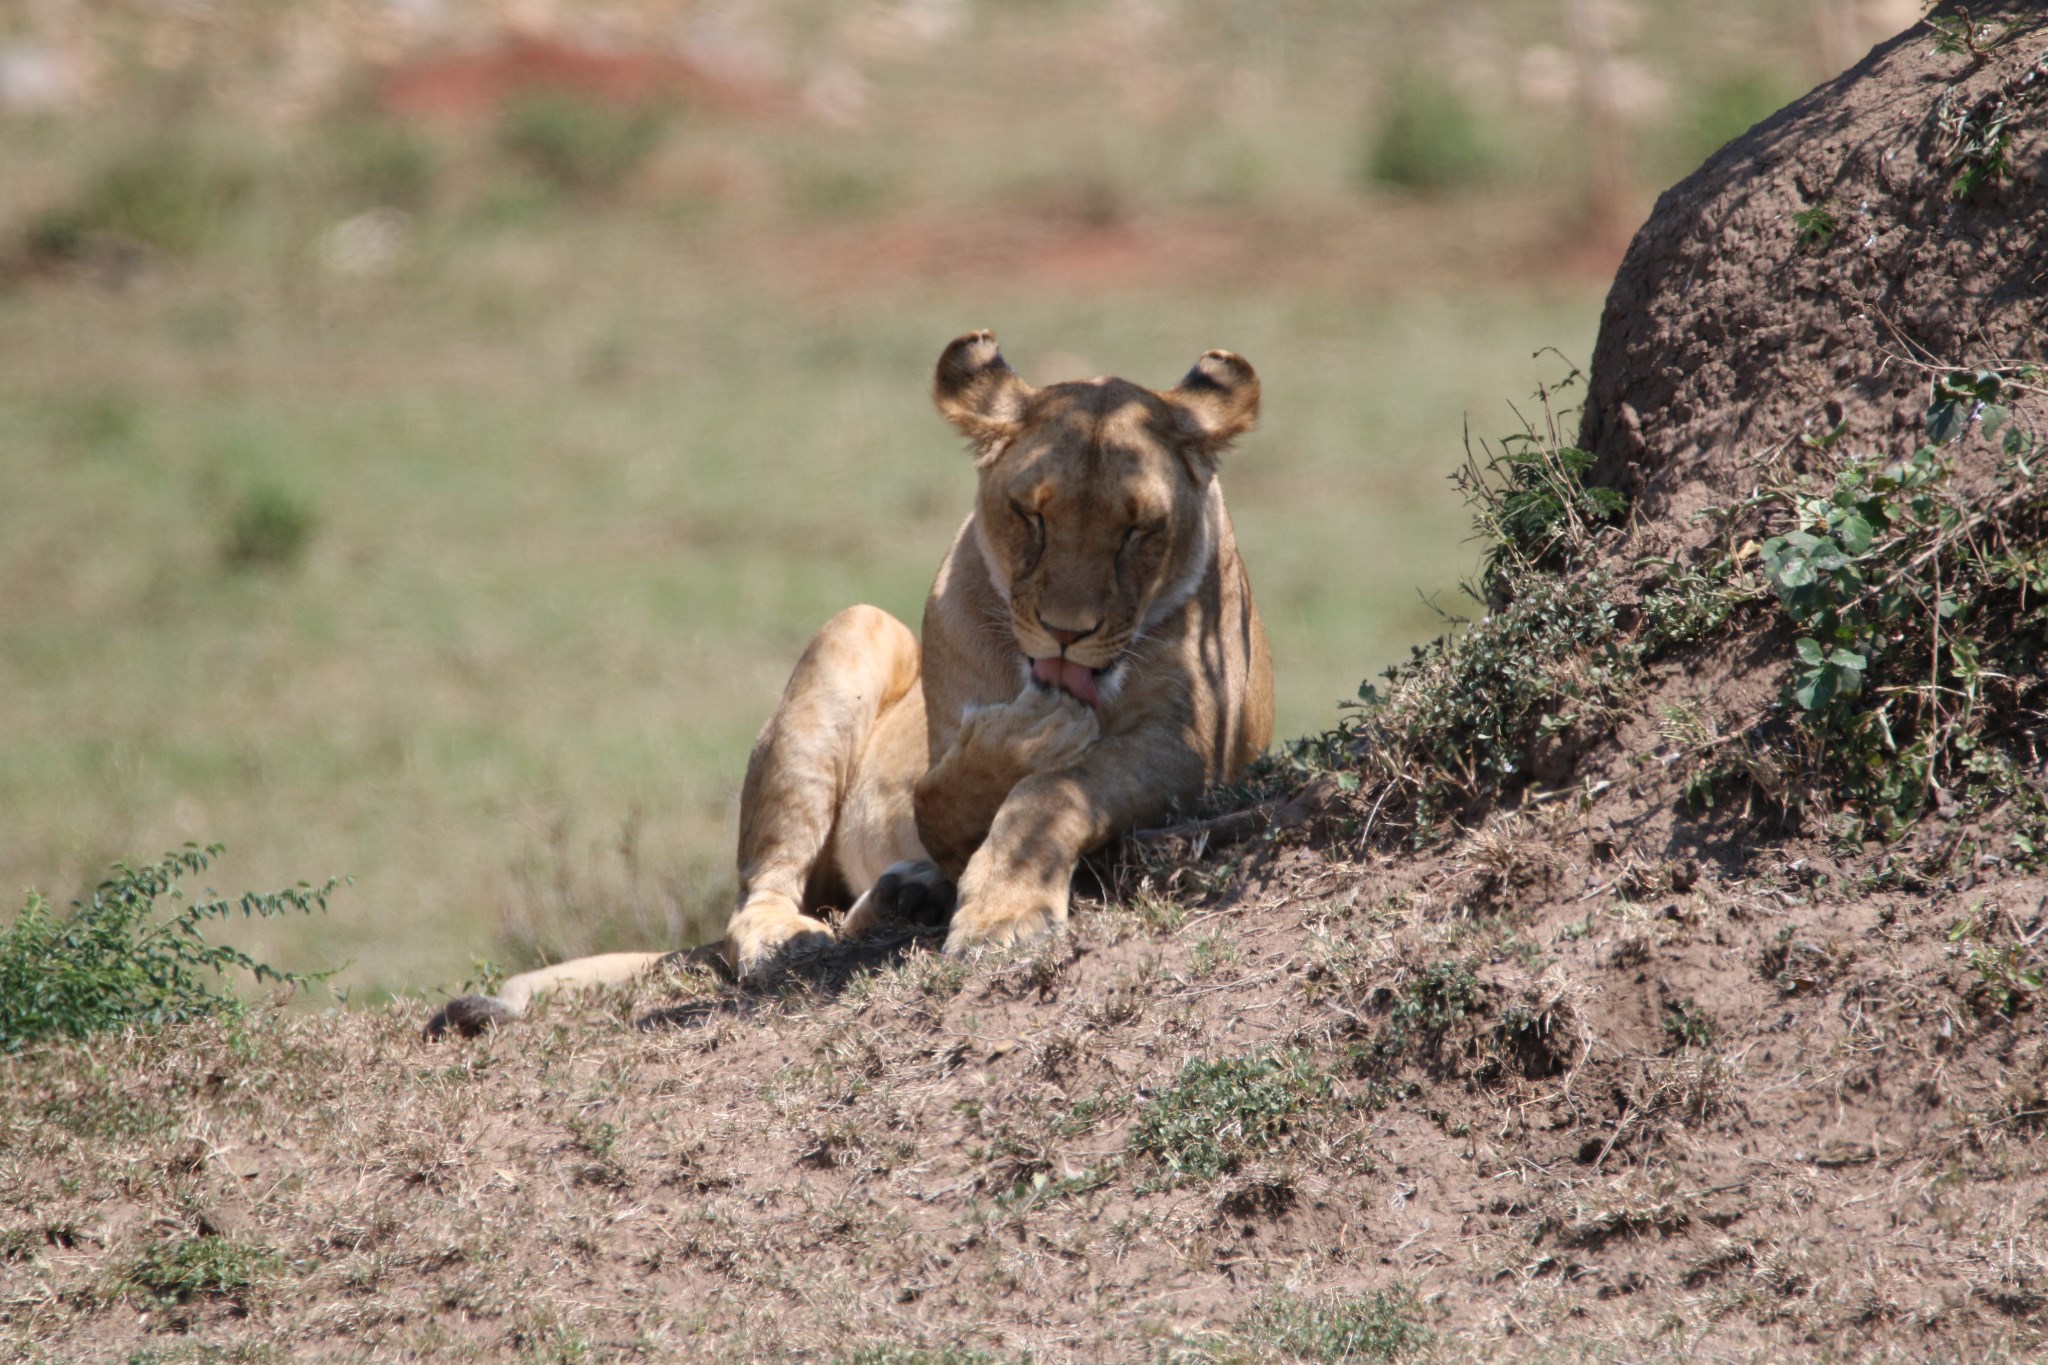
(1068, 635)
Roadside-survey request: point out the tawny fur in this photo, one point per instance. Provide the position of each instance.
(1098, 534)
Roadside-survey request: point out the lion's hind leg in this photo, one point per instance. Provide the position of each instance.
(805, 767)
(912, 894)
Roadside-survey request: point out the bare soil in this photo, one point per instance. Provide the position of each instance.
(1732, 329)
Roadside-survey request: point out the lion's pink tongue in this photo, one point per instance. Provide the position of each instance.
(1066, 674)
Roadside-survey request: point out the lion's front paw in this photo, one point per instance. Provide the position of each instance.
(767, 934)
(999, 917)
(1041, 730)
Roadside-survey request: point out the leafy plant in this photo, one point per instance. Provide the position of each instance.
(1916, 607)
(1958, 35)
(267, 528)
(1686, 1026)
(1457, 723)
(2009, 977)
(1435, 1000)
(1529, 497)
(182, 1270)
(1817, 225)
(1980, 137)
(117, 960)
(1464, 719)
(1216, 1114)
(1337, 1331)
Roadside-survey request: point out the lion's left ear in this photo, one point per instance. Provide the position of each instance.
(1219, 399)
(975, 389)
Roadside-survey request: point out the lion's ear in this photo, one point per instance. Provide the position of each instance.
(977, 391)
(1219, 399)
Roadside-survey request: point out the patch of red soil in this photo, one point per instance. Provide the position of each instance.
(1380, 247)
(471, 86)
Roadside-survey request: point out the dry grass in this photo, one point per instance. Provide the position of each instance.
(1478, 1137)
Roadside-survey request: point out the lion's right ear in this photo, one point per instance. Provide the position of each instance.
(977, 391)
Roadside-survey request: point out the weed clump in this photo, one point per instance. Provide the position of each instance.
(1217, 1114)
(169, 196)
(116, 959)
(1371, 1327)
(578, 146)
(1909, 612)
(1473, 715)
(267, 528)
(1903, 600)
(185, 1269)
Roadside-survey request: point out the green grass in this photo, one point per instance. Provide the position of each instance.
(1370, 1327)
(183, 1269)
(1217, 1115)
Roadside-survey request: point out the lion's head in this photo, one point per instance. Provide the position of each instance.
(1098, 513)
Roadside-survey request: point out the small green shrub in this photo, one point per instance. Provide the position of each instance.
(1441, 996)
(182, 1270)
(378, 164)
(1338, 1331)
(267, 528)
(1817, 226)
(1686, 1026)
(579, 146)
(917, 1355)
(167, 195)
(1217, 1114)
(1457, 724)
(1959, 35)
(1428, 139)
(117, 960)
(1917, 612)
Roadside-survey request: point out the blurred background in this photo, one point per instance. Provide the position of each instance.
(429, 429)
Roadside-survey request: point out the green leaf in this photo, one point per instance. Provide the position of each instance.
(1946, 421)
(1809, 651)
(1855, 533)
(1814, 690)
(1843, 658)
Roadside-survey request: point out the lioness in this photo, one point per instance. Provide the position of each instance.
(1091, 655)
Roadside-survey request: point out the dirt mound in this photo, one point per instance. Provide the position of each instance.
(1811, 273)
